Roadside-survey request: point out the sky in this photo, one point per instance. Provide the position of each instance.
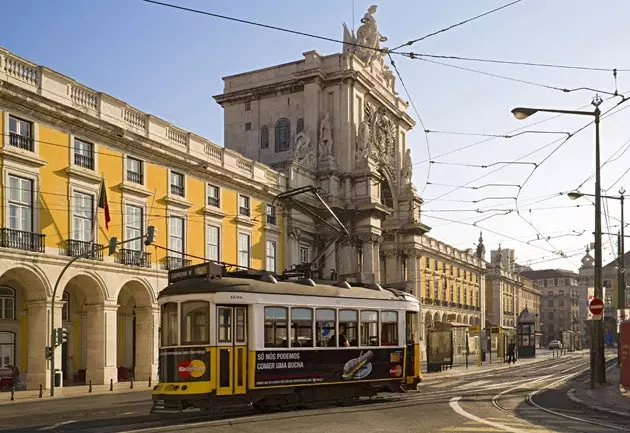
(169, 63)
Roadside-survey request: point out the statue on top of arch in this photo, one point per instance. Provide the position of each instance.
(367, 42)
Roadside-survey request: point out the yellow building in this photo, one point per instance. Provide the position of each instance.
(60, 142)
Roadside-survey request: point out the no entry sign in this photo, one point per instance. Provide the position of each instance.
(596, 307)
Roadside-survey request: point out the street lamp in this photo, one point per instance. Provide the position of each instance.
(598, 374)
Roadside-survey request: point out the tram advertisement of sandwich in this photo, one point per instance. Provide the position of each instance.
(327, 366)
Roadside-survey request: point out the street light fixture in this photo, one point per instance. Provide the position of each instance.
(598, 374)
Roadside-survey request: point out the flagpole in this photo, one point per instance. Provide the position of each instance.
(95, 222)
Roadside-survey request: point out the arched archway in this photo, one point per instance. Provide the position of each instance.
(23, 317)
(80, 301)
(137, 324)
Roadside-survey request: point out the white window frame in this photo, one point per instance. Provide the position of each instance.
(19, 121)
(171, 174)
(28, 206)
(142, 173)
(34, 130)
(302, 248)
(131, 231)
(249, 205)
(93, 232)
(3, 300)
(210, 187)
(73, 140)
(271, 210)
(271, 261)
(208, 245)
(65, 308)
(249, 249)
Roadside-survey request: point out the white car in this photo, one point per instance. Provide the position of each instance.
(554, 344)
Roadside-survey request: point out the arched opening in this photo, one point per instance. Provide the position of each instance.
(82, 354)
(437, 318)
(386, 192)
(23, 333)
(136, 321)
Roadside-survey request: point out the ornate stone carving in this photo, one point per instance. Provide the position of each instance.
(325, 137)
(407, 169)
(367, 42)
(377, 138)
(363, 141)
(303, 150)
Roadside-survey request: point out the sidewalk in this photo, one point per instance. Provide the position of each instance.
(461, 370)
(609, 398)
(74, 391)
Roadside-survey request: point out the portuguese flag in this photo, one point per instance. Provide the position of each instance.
(102, 203)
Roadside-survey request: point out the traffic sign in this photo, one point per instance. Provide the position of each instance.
(596, 307)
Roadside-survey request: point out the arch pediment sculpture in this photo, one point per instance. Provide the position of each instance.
(303, 149)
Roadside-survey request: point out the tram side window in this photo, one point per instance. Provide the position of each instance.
(276, 327)
(195, 322)
(301, 327)
(349, 326)
(389, 328)
(369, 328)
(325, 328)
(169, 324)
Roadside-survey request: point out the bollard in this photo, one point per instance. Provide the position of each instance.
(90, 388)
(41, 391)
(149, 381)
(131, 383)
(13, 393)
(111, 384)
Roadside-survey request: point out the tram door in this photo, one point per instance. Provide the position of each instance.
(231, 359)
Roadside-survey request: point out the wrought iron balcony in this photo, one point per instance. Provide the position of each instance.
(135, 177)
(21, 240)
(21, 141)
(84, 161)
(91, 250)
(135, 258)
(176, 262)
(177, 190)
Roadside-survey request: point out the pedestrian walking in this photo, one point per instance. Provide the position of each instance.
(511, 353)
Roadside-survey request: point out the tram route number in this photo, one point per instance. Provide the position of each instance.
(278, 360)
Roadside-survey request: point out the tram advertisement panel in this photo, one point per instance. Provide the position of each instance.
(326, 366)
(184, 364)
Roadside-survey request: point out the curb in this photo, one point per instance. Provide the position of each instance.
(47, 398)
(580, 402)
(483, 370)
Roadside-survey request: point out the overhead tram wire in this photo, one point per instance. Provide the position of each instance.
(445, 29)
(266, 26)
(415, 109)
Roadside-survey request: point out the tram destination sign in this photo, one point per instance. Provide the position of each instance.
(275, 368)
(203, 270)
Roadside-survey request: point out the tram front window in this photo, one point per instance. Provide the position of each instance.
(195, 322)
(169, 324)
(389, 328)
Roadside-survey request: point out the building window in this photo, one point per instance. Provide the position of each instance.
(213, 240)
(271, 256)
(7, 303)
(83, 154)
(20, 204)
(133, 226)
(243, 205)
(83, 217)
(65, 310)
(264, 137)
(248, 106)
(7, 349)
(213, 196)
(300, 126)
(283, 135)
(177, 183)
(303, 254)
(248, 126)
(271, 214)
(135, 170)
(243, 250)
(21, 134)
(176, 236)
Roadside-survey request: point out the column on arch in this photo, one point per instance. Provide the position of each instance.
(147, 345)
(101, 343)
(38, 367)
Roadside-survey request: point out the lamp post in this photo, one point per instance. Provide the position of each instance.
(598, 373)
(621, 272)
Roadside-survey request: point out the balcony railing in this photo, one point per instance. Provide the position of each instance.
(84, 161)
(213, 201)
(271, 219)
(21, 240)
(177, 190)
(76, 248)
(21, 141)
(242, 210)
(134, 177)
(176, 262)
(135, 258)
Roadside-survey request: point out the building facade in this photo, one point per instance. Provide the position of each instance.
(60, 142)
(560, 301)
(508, 293)
(336, 122)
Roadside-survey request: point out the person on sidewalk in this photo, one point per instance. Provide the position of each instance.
(511, 353)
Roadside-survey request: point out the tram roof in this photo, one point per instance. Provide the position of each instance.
(247, 285)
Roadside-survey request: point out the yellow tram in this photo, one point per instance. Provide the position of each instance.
(253, 338)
